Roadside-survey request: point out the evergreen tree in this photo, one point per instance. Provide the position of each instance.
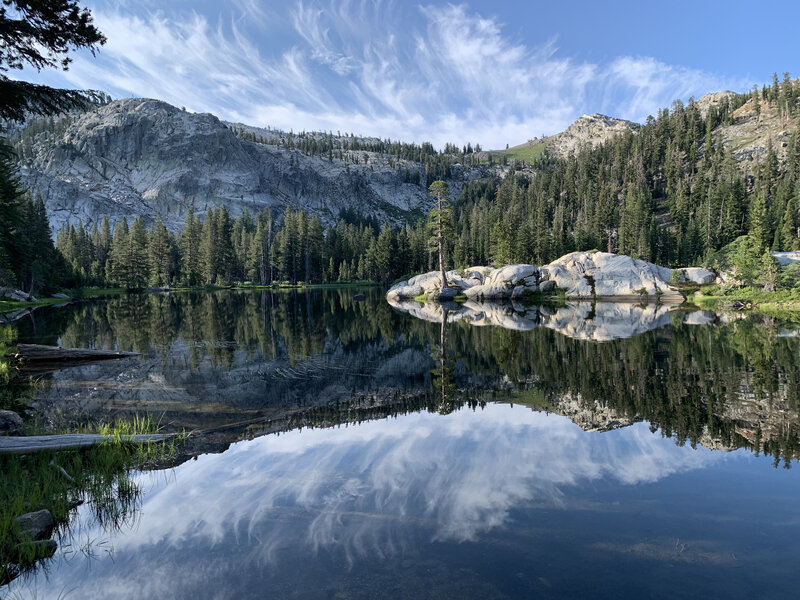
(117, 264)
(137, 261)
(159, 250)
(440, 220)
(40, 35)
(190, 241)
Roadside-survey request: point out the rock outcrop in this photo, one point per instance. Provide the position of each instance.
(694, 275)
(752, 130)
(35, 526)
(604, 275)
(16, 295)
(588, 130)
(580, 275)
(787, 258)
(10, 423)
(591, 417)
(712, 100)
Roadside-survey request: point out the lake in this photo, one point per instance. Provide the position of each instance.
(345, 448)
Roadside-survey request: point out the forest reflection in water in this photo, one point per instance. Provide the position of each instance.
(275, 361)
(473, 487)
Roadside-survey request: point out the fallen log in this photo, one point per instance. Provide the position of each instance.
(52, 354)
(36, 443)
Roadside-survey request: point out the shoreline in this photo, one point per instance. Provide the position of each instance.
(79, 294)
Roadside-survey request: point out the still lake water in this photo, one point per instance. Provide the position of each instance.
(349, 449)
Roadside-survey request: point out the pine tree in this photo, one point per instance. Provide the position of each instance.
(137, 260)
(224, 245)
(209, 244)
(190, 240)
(117, 264)
(440, 221)
(790, 230)
(159, 250)
(40, 35)
(385, 254)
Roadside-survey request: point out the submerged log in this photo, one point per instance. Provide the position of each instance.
(56, 354)
(36, 443)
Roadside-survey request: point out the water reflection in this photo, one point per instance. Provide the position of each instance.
(259, 362)
(394, 473)
(347, 500)
(598, 321)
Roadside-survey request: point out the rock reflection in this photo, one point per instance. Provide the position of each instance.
(598, 321)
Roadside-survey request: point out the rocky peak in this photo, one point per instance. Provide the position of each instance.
(704, 103)
(587, 130)
(754, 129)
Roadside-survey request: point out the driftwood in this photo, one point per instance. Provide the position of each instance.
(38, 352)
(35, 358)
(36, 443)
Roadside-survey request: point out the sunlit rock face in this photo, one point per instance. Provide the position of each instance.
(606, 275)
(588, 130)
(599, 321)
(592, 417)
(139, 157)
(581, 275)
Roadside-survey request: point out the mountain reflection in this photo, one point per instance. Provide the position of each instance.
(259, 362)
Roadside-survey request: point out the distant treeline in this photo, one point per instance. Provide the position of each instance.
(351, 149)
(257, 248)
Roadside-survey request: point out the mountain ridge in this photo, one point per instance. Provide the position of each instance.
(141, 157)
(589, 130)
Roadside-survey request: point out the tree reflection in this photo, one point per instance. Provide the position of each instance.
(725, 384)
(443, 380)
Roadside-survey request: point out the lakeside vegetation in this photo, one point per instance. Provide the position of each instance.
(59, 481)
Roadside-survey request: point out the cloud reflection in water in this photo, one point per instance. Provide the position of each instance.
(378, 490)
(457, 475)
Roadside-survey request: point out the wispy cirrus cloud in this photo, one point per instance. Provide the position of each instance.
(638, 86)
(433, 72)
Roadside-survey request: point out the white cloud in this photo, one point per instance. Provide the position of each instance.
(636, 87)
(438, 73)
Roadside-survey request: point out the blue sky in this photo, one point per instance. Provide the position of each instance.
(488, 73)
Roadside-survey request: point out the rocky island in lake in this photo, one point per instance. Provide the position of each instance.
(578, 276)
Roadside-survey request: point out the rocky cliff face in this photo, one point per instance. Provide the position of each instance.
(142, 157)
(589, 129)
(752, 131)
